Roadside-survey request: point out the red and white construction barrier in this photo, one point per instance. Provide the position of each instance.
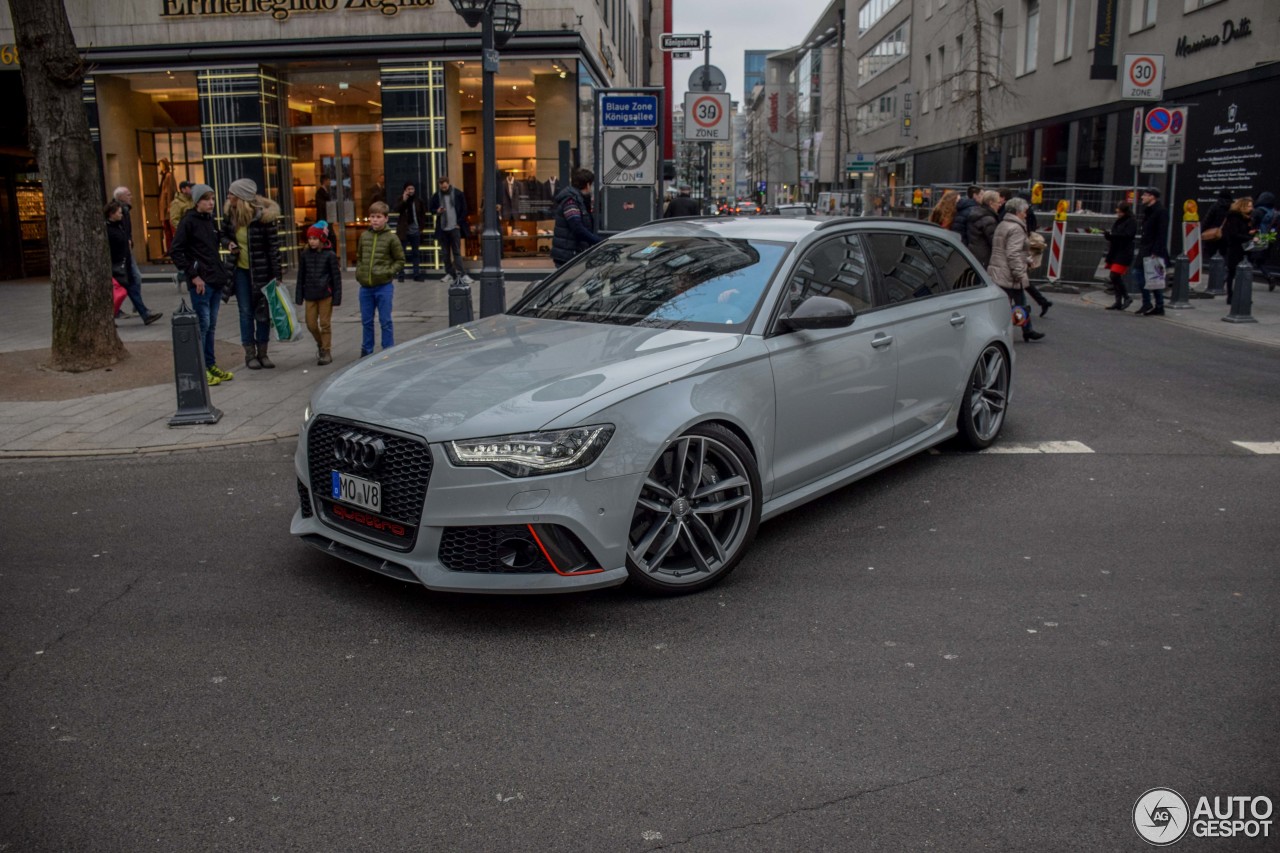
(1056, 244)
(1191, 248)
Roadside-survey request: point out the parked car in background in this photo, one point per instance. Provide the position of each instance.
(795, 209)
(748, 208)
(639, 412)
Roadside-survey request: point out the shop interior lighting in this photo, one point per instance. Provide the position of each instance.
(326, 101)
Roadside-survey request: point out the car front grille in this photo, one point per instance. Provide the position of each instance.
(402, 475)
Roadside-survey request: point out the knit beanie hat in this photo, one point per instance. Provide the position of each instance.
(199, 191)
(321, 230)
(243, 188)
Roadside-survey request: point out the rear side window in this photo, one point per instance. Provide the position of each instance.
(953, 267)
(836, 268)
(907, 271)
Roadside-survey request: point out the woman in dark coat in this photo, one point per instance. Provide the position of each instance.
(980, 225)
(122, 259)
(1120, 253)
(1236, 232)
(251, 227)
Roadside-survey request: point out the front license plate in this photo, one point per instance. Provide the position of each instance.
(365, 494)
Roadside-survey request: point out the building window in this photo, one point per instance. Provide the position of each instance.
(1064, 37)
(1029, 53)
(928, 82)
(889, 50)
(994, 57)
(958, 83)
(1192, 5)
(942, 73)
(1143, 15)
(872, 11)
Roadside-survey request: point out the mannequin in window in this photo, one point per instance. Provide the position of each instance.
(510, 193)
(168, 192)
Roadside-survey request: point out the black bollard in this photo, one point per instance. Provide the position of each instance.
(1217, 275)
(1181, 288)
(1242, 296)
(459, 303)
(194, 405)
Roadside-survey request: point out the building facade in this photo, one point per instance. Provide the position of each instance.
(1020, 91)
(328, 105)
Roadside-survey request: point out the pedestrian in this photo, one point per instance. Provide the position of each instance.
(379, 259)
(319, 286)
(1153, 242)
(1005, 195)
(133, 282)
(982, 226)
(1263, 218)
(182, 202)
(121, 248)
(1120, 252)
(1009, 259)
(1211, 233)
(682, 205)
(449, 205)
(251, 228)
(575, 223)
(195, 252)
(1237, 231)
(959, 222)
(944, 212)
(411, 219)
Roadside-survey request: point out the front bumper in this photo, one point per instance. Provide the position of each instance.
(597, 513)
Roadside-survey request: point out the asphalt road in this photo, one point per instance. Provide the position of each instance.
(967, 652)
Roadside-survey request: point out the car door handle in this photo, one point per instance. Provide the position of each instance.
(957, 320)
(881, 341)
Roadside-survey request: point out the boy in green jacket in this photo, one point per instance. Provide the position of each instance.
(379, 259)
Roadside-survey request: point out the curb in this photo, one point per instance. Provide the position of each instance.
(145, 451)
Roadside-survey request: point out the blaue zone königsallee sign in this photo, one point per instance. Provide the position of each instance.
(280, 10)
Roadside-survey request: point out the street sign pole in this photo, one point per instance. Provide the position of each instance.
(706, 86)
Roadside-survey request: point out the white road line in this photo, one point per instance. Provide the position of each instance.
(1040, 447)
(1259, 446)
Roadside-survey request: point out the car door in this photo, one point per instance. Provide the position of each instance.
(834, 388)
(931, 288)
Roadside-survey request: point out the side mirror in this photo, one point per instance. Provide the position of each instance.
(819, 312)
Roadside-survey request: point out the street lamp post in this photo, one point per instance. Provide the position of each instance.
(501, 19)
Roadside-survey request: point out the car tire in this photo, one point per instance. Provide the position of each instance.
(985, 400)
(697, 512)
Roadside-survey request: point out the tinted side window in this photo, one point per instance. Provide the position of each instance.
(835, 268)
(952, 265)
(907, 271)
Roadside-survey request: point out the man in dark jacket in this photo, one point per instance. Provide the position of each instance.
(450, 208)
(575, 229)
(960, 224)
(195, 252)
(1153, 242)
(682, 205)
(410, 223)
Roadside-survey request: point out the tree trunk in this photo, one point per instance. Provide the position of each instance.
(84, 335)
(979, 81)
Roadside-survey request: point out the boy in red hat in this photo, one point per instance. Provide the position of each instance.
(319, 286)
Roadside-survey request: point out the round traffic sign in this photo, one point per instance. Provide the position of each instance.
(1142, 71)
(706, 112)
(1175, 121)
(707, 78)
(629, 151)
(1158, 120)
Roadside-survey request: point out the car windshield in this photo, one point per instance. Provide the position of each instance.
(678, 282)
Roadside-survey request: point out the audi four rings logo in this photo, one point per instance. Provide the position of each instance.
(361, 452)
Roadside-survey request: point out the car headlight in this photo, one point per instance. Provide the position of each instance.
(529, 454)
(307, 414)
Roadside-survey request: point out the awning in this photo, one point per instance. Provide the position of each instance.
(892, 155)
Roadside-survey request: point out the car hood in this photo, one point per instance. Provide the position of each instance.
(506, 374)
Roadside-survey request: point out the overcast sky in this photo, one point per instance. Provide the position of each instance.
(736, 26)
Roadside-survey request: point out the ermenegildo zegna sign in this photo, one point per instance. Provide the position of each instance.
(280, 10)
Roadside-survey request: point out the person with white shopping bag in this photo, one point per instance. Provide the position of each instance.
(1153, 252)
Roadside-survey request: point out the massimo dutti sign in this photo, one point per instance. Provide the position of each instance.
(280, 10)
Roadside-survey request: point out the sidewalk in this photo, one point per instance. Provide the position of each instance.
(266, 405)
(257, 406)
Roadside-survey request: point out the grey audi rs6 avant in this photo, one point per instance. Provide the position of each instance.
(637, 414)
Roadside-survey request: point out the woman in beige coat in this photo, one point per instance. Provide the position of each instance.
(1009, 258)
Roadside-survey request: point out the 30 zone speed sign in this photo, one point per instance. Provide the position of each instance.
(706, 116)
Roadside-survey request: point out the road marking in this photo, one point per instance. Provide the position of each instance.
(1259, 446)
(1040, 447)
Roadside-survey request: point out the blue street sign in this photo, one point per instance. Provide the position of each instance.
(628, 110)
